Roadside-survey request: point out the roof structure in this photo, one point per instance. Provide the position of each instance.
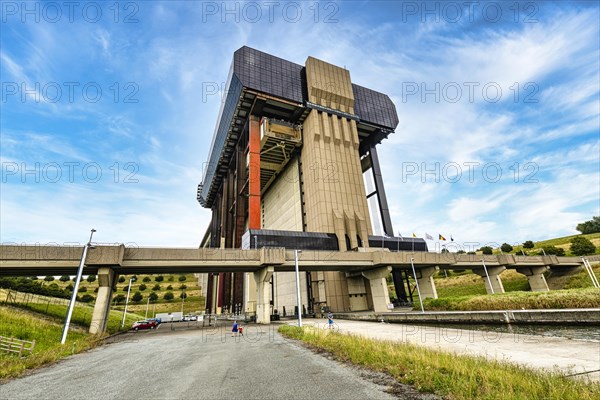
(265, 85)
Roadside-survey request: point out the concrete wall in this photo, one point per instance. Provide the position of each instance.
(282, 210)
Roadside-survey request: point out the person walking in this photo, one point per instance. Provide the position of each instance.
(234, 329)
(330, 320)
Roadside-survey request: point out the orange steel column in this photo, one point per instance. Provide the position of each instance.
(254, 175)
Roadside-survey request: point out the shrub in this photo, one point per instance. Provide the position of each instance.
(486, 250)
(87, 298)
(82, 289)
(171, 278)
(460, 252)
(137, 297)
(182, 278)
(65, 278)
(528, 244)
(96, 289)
(91, 278)
(170, 287)
(159, 278)
(156, 287)
(591, 226)
(142, 287)
(183, 295)
(146, 279)
(70, 287)
(121, 279)
(506, 248)
(153, 297)
(182, 287)
(168, 296)
(33, 278)
(119, 299)
(49, 278)
(581, 246)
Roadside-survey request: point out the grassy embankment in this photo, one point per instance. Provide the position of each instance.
(46, 331)
(446, 374)
(42, 321)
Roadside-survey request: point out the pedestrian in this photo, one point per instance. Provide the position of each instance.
(330, 320)
(235, 328)
(241, 330)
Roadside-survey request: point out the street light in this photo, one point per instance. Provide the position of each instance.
(298, 300)
(76, 288)
(132, 279)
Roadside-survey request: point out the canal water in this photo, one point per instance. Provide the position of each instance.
(565, 331)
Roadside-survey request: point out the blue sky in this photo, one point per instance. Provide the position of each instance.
(108, 111)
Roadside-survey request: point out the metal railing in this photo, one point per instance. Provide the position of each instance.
(17, 346)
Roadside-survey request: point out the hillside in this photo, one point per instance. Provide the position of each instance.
(561, 242)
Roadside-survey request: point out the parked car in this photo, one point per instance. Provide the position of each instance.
(145, 324)
(190, 317)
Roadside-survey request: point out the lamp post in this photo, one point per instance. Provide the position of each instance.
(76, 288)
(132, 279)
(298, 299)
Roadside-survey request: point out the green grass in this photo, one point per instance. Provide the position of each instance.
(572, 298)
(446, 374)
(46, 332)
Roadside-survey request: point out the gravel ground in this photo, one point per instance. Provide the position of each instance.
(202, 364)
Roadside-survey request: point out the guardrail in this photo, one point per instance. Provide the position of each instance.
(12, 345)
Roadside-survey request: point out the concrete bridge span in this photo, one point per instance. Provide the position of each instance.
(109, 261)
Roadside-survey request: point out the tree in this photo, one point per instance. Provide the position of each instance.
(142, 287)
(581, 246)
(49, 278)
(91, 278)
(159, 278)
(183, 295)
(156, 287)
(65, 278)
(153, 297)
(460, 252)
(170, 287)
(486, 250)
(120, 298)
(506, 248)
(137, 297)
(528, 244)
(146, 279)
(87, 298)
(182, 278)
(168, 296)
(121, 279)
(591, 226)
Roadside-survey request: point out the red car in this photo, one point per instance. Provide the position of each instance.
(144, 325)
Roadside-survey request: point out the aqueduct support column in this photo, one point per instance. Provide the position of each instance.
(535, 276)
(494, 274)
(426, 283)
(262, 278)
(106, 277)
(379, 289)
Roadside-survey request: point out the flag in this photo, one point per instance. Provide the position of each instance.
(428, 236)
(414, 235)
(441, 237)
(451, 238)
(400, 236)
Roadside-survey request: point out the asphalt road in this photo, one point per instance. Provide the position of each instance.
(197, 364)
